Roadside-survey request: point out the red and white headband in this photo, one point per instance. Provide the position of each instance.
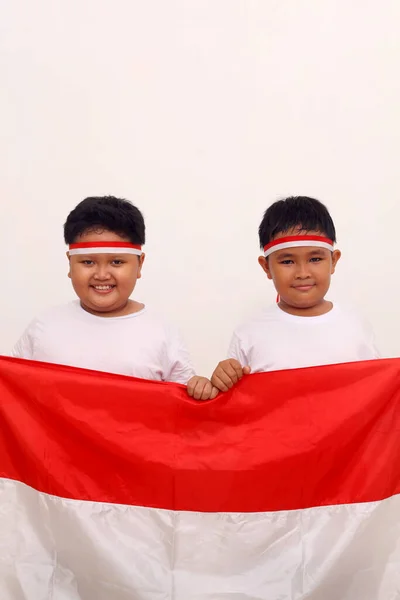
(298, 241)
(105, 248)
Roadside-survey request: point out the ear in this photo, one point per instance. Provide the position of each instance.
(69, 264)
(141, 261)
(264, 263)
(336, 254)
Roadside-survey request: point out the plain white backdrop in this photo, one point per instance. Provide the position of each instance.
(202, 112)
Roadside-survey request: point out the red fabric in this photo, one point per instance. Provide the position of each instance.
(104, 245)
(283, 440)
(297, 238)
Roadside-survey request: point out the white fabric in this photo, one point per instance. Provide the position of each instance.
(57, 549)
(276, 340)
(298, 244)
(103, 250)
(138, 345)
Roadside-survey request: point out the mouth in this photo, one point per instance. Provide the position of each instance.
(103, 289)
(304, 288)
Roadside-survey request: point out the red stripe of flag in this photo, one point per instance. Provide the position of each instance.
(282, 440)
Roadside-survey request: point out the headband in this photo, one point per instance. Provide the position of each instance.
(105, 248)
(297, 241)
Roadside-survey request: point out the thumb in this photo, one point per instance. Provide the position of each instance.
(214, 393)
(247, 370)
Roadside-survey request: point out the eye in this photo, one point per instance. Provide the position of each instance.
(316, 259)
(118, 262)
(286, 262)
(87, 262)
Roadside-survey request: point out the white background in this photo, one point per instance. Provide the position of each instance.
(202, 112)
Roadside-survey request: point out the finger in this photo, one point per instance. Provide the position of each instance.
(220, 374)
(191, 385)
(218, 383)
(231, 373)
(226, 377)
(198, 390)
(227, 373)
(206, 392)
(214, 392)
(237, 367)
(247, 370)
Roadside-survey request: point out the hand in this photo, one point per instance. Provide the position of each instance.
(228, 373)
(200, 388)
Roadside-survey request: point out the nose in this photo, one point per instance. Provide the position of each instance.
(303, 270)
(102, 273)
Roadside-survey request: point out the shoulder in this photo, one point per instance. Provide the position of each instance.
(264, 318)
(350, 323)
(156, 323)
(350, 315)
(30, 339)
(51, 315)
(61, 311)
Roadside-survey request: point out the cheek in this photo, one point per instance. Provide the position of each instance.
(324, 273)
(280, 274)
(78, 275)
(126, 278)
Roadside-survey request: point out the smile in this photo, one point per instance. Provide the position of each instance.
(303, 288)
(103, 289)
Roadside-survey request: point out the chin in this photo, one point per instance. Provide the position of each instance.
(104, 306)
(302, 302)
(99, 309)
(309, 304)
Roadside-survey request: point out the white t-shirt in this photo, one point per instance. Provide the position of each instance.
(276, 340)
(138, 345)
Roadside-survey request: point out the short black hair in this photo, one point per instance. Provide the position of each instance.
(105, 212)
(307, 213)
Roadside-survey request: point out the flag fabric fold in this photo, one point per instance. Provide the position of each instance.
(286, 487)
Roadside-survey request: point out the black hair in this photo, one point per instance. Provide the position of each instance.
(105, 212)
(296, 211)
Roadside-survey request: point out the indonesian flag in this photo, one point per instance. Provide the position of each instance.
(114, 488)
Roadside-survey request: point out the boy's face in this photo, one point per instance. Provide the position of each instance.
(301, 275)
(104, 282)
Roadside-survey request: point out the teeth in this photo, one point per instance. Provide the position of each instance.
(103, 287)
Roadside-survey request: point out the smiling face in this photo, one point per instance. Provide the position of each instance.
(301, 275)
(104, 282)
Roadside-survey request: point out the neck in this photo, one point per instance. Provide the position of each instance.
(316, 310)
(127, 309)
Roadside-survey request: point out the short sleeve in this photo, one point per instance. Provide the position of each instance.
(236, 351)
(25, 346)
(179, 368)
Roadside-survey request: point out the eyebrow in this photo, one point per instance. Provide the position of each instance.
(285, 255)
